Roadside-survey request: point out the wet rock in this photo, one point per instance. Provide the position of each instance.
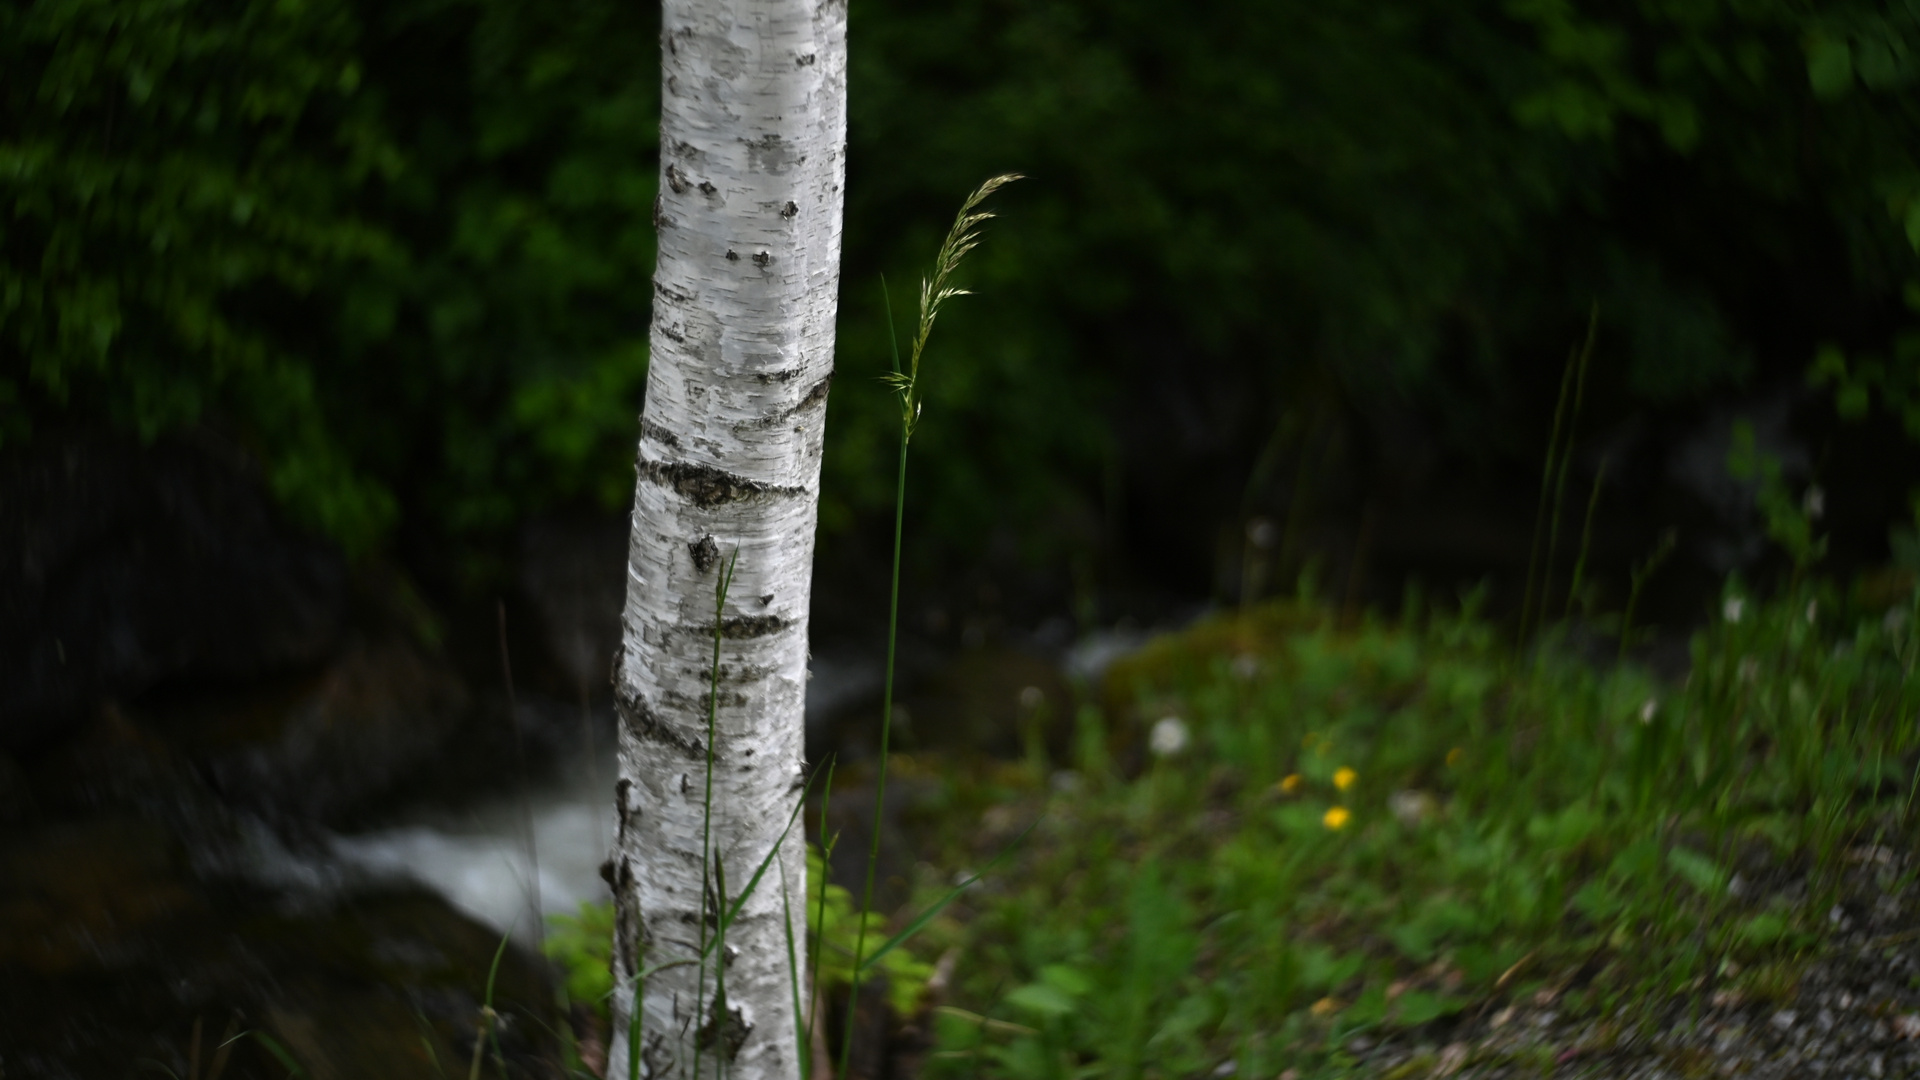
(123, 568)
(116, 953)
(575, 575)
(120, 766)
(16, 799)
(312, 750)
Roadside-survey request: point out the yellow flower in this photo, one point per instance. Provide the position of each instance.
(1290, 784)
(1344, 777)
(1326, 1006)
(1336, 818)
(1454, 755)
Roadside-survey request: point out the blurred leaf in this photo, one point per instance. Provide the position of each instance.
(1829, 67)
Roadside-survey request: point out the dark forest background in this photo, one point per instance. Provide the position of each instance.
(1316, 267)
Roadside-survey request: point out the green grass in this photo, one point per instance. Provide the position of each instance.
(1505, 826)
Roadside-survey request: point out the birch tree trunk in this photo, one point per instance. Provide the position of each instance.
(752, 151)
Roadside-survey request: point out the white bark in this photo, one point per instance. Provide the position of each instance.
(752, 138)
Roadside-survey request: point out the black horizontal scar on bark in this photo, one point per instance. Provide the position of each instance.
(742, 627)
(815, 396)
(639, 718)
(707, 487)
(650, 430)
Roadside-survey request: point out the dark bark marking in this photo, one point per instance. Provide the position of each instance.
(639, 719)
(657, 1057)
(732, 255)
(707, 188)
(659, 212)
(815, 395)
(650, 430)
(789, 210)
(762, 259)
(745, 627)
(732, 701)
(658, 1060)
(805, 61)
(705, 553)
(707, 487)
(677, 180)
(622, 791)
(726, 1027)
(785, 375)
(630, 929)
(671, 294)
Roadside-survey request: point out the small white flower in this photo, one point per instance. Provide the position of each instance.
(1261, 533)
(1169, 736)
(1735, 607)
(1411, 807)
(1647, 710)
(1815, 502)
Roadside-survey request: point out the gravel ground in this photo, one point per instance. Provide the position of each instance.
(1854, 1011)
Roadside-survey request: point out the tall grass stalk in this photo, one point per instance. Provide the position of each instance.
(720, 588)
(935, 290)
(1546, 489)
(532, 881)
(1586, 541)
(1566, 458)
(1640, 576)
(827, 844)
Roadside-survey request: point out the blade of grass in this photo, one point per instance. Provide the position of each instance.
(801, 1049)
(1566, 458)
(1546, 488)
(827, 844)
(720, 588)
(486, 1008)
(731, 912)
(926, 916)
(280, 1053)
(1586, 540)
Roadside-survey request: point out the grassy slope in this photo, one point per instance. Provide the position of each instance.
(1506, 826)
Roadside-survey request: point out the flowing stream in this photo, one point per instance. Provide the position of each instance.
(479, 858)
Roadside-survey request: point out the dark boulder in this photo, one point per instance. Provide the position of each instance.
(123, 568)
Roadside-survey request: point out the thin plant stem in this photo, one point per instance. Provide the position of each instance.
(1586, 540)
(1566, 460)
(880, 782)
(1546, 487)
(706, 816)
(800, 1024)
(1640, 575)
(935, 290)
(827, 844)
(532, 882)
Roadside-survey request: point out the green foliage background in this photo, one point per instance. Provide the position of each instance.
(399, 252)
